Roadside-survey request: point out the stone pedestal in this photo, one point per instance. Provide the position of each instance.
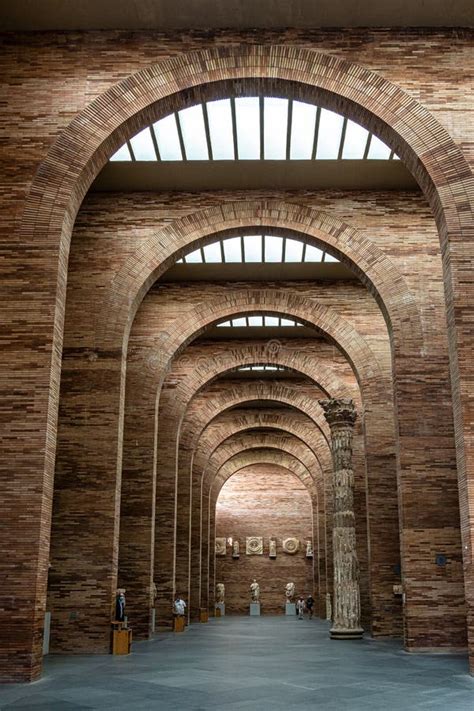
(290, 608)
(341, 416)
(221, 606)
(254, 609)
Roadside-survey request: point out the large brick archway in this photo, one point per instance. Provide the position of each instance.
(57, 191)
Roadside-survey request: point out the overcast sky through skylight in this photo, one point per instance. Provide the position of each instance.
(253, 128)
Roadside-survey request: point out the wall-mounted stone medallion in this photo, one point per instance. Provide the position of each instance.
(291, 545)
(254, 545)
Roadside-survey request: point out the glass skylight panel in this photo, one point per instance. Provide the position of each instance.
(253, 248)
(233, 249)
(123, 153)
(242, 321)
(219, 114)
(303, 122)
(313, 254)
(247, 112)
(286, 322)
(273, 248)
(226, 324)
(329, 258)
(255, 320)
(166, 133)
(271, 320)
(258, 367)
(275, 122)
(194, 133)
(142, 145)
(329, 135)
(212, 253)
(194, 257)
(293, 251)
(378, 150)
(355, 141)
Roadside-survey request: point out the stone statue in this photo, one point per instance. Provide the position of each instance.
(309, 549)
(272, 548)
(220, 592)
(235, 549)
(255, 591)
(289, 591)
(120, 605)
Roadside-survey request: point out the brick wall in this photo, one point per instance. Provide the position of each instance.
(264, 501)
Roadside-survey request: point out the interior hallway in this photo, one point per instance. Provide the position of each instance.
(254, 664)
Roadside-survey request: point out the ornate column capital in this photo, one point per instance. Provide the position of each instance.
(339, 412)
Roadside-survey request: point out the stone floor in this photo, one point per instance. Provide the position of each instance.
(251, 664)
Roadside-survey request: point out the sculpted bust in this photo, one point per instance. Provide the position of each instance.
(289, 591)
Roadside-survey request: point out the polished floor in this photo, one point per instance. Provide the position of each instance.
(256, 664)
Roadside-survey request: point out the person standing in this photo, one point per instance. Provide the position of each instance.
(310, 606)
(300, 607)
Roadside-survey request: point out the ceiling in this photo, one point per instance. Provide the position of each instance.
(234, 14)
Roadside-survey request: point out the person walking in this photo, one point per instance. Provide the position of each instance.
(300, 607)
(309, 606)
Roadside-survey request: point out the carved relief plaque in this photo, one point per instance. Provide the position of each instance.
(291, 545)
(254, 545)
(221, 546)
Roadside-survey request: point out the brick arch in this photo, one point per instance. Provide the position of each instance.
(75, 159)
(248, 441)
(354, 247)
(239, 462)
(195, 423)
(228, 423)
(232, 421)
(312, 313)
(205, 369)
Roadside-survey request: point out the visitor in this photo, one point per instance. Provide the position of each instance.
(309, 606)
(300, 607)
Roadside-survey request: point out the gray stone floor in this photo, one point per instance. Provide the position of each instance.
(251, 664)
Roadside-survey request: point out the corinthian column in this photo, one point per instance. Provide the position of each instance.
(341, 416)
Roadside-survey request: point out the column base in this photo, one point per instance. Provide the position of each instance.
(341, 633)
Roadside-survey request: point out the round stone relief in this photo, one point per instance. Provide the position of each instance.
(254, 545)
(291, 545)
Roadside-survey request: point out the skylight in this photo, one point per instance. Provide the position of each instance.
(254, 128)
(258, 322)
(272, 368)
(257, 249)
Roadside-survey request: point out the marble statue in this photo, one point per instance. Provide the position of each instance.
(309, 549)
(272, 548)
(120, 605)
(290, 591)
(235, 549)
(255, 591)
(220, 592)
